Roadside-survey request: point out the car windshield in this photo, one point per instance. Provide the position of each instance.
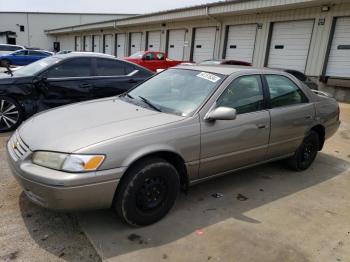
(177, 91)
(36, 67)
(137, 55)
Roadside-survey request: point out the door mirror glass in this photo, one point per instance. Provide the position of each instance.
(222, 113)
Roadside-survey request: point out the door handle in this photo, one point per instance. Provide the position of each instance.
(261, 126)
(308, 117)
(85, 85)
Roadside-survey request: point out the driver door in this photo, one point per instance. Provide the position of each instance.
(230, 144)
(67, 82)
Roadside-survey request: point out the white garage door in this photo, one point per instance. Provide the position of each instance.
(88, 43)
(135, 44)
(290, 44)
(339, 56)
(241, 42)
(153, 41)
(96, 43)
(120, 45)
(204, 44)
(176, 44)
(77, 43)
(107, 48)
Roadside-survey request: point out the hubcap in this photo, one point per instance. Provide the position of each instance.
(9, 114)
(151, 194)
(308, 153)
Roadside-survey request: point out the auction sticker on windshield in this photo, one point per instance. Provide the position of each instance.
(209, 77)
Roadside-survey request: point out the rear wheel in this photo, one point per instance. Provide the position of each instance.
(147, 192)
(11, 114)
(306, 153)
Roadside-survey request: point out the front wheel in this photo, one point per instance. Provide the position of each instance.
(305, 155)
(11, 114)
(147, 192)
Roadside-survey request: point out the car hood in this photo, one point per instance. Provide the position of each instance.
(70, 128)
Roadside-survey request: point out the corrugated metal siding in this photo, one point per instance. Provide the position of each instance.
(319, 38)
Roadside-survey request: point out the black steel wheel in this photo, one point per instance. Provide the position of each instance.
(306, 153)
(11, 114)
(147, 192)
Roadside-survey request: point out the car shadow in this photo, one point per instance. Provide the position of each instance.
(238, 193)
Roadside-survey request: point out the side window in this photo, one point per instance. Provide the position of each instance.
(284, 92)
(148, 56)
(22, 52)
(36, 53)
(78, 67)
(245, 94)
(111, 67)
(160, 56)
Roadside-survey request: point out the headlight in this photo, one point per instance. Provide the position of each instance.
(68, 162)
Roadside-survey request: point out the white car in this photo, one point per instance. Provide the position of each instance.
(8, 49)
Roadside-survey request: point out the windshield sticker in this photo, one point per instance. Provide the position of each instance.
(209, 77)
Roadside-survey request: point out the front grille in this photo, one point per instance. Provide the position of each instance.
(19, 147)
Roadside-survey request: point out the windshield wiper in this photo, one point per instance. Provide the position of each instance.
(150, 104)
(127, 94)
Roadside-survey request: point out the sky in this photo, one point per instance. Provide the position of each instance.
(97, 6)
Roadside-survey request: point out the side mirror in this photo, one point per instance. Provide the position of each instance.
(221, 113)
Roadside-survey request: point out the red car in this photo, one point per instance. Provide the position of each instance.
(152, 60)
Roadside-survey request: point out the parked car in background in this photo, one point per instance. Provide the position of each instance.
(152, 60)
(63, 79)
(8, 49)
(225, 62)
(62, 52)
(23, 57)
(183, 126)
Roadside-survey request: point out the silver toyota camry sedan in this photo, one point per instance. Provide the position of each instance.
(135, 152)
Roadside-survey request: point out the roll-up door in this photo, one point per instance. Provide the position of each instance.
(153, 43)
(204, 44)
(107, 41)
(176, 44)
(96, 43)
(290, 43)
(120, 45)
(135, 42)
(339, 56)
(88, 43)
(241, 42)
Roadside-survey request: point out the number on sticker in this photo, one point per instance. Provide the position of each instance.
(209, 77)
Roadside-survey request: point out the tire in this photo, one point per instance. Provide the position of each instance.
(305, 155)
(152, 177)
(11, 114)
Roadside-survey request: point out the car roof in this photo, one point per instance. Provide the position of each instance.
(222, 69)
(83, 54)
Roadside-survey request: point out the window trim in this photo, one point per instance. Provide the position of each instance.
(265, 95)
(268, 95)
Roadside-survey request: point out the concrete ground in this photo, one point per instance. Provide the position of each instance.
(266, 213)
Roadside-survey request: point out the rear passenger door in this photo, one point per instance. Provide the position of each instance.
(291, 115)
(114, 77)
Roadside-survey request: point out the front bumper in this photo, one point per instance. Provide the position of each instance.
(64, 191)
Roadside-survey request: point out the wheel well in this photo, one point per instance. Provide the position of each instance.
(320, 130)
(174, 159)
